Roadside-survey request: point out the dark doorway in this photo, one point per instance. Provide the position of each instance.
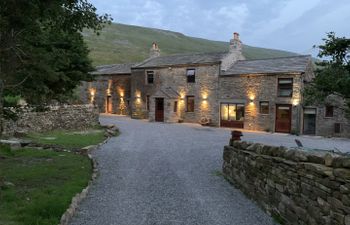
(109, 104)
(309, 121)
(283, 118)
(159, 110)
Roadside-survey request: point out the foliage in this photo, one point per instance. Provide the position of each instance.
(43, 54)
(42, 184)
(11, 101)
(332, 77)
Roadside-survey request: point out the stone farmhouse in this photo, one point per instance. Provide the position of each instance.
(218, 89)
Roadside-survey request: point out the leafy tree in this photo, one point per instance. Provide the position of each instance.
(42, 52)
(332, 76)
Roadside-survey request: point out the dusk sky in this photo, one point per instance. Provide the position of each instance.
(293, 25)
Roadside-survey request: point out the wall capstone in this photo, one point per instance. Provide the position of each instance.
(296, 187)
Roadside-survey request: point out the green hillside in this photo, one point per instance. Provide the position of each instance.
(119, 43)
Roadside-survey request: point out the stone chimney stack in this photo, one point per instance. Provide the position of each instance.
(234, 54)
(235, 43)
(154, 51)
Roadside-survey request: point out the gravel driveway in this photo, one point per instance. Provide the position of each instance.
(164, 174)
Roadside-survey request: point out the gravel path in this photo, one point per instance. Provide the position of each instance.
(164, 174)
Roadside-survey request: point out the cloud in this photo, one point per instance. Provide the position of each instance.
(289, 12)
(293, 25)
(151, 13)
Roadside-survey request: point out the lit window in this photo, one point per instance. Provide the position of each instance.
(190, 103)
(232, 112)
(329, 111)
(150, 77)
(285, 87)
(264, 108)
(191, 75)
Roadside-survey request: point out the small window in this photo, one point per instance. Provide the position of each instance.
(175, 106)
(191, 75)
(147, 102)
(285, 87)
(150, 77)
(264, 108)
(190, 103)
(329, 111)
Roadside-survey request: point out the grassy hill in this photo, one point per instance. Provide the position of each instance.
(119, 43)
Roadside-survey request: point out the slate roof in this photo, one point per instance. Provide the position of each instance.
(273, 65)
(113, 69)
(182, 59)
(167, 92)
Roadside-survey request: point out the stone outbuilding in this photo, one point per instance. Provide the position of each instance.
(218, 89)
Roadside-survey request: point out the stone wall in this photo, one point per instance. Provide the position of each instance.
(261, 87)
(56, 117)
(204, 91)
(296, 187)
(117, 86)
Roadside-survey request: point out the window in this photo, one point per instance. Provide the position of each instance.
(175, 106)
(285, 87)
(190, 103)
(329, 111)
(150, 77)
(264, 108)
(232, 112)
(147, 102)
(191, 75)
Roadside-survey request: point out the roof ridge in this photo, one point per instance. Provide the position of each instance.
(283, 57)
(116, 64)
(190, 53)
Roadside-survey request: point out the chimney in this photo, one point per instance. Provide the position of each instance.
(154, 51)
(235, 43)
(234, 54)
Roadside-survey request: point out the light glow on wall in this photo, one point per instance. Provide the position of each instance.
(251, 100)
(92, 95)
(295, 102)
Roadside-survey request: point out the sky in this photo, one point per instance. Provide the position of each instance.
(292, 25)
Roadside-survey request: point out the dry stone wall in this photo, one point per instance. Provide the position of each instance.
(295, 186)
(56, 117)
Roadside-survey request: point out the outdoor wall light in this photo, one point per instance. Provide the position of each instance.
(295, 102)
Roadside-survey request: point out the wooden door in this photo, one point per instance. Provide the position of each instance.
(283, 118)
(109, 104)
(159, 110)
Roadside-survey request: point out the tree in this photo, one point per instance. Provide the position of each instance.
(332, 76)
(42, 52)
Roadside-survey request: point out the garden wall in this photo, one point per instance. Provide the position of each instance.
(55, 117)
(295, 186)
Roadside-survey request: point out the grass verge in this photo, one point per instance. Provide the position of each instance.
(69, 139)
(38, 185)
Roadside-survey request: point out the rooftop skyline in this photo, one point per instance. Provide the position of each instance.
(292, 25)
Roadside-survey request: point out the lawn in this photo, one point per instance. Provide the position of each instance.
(69, 139)
(37, 186)
(40, 184)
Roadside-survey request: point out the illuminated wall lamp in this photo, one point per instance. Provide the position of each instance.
(295, 102)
